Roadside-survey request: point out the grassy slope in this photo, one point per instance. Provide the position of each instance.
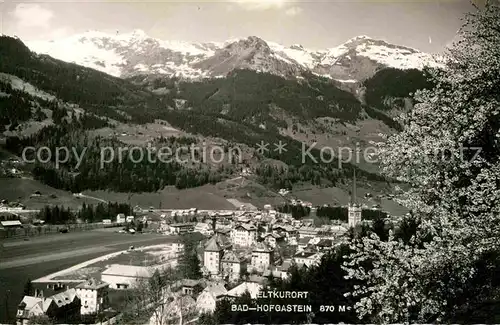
(170, 198)
(341, 196)
(205, 197)
(20, 189)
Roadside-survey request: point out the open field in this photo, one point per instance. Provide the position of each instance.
(138, 135)
(61, 243)
(207, 197)
(246, 190)
(170, 198)
(20, 189)
(55, 253)
(142, 256)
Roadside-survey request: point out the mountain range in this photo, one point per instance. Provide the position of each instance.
(135, 53)
(94, 88)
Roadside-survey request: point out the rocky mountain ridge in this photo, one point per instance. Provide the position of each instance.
(136, 53)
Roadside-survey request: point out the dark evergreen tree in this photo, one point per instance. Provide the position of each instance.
(28, 288)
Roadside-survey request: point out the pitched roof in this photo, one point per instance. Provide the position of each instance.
(223, 230)
(247, 227)
(189, 283)
(309, 229)
(261, 247)
(11, 223)
(251, 287)
(64, 298)
(212, 245)
(202, 225)
(46, 304)
(305, 240)
(231, 257)
(216, 289)
(30, 301)
(275, 236)
(223, 240)
(338, 229)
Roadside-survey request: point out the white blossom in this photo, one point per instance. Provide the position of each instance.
(456, 196)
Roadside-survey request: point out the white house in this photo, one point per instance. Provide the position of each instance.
(32, 306)
(338, 230)
(124, 276)
(232, 265)
(181, 228)
(284, 268)
(120, 218)
(93, 296)
(285, 230)
(307, 258)
(176, 304)
(208, 298)
(203, 228)
(244, 235)
(302, 243)
(308, 232)
(212, 256)
(67, 302)
(271, 239)
(252, 287)
(177, 248)
(262, 257)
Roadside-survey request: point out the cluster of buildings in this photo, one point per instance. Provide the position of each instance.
(242, 250)
(242, 253)
(258, 249)
(87, 298)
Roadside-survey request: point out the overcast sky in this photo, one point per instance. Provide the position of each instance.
(425, 25)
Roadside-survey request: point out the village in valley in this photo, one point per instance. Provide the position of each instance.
(237, 252)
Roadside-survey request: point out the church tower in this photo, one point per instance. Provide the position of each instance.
(354, 209)
(212, 256)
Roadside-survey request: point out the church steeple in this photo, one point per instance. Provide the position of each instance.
(354, 209)
(353, 192)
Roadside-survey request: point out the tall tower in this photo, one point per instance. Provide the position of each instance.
(354, 209)
(212, 256)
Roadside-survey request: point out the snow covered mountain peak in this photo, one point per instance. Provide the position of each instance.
(360, 37)
(299, 47)
(136, 53)
(139, 33)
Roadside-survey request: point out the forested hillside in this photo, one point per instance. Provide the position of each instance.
(394, 84)
(93, 90)
(247, 108)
